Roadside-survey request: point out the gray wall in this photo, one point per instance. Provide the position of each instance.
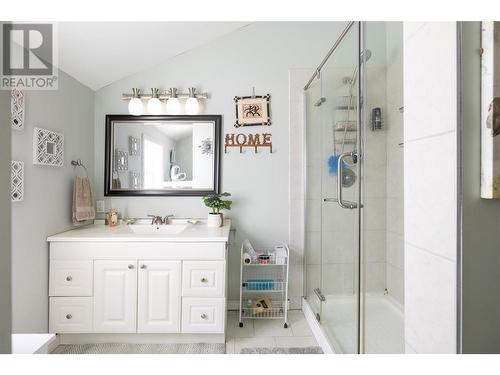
(481, 217)
(5, 266)
(259, 55)
(46, 208)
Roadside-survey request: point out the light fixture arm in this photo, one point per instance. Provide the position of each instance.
(166, 94)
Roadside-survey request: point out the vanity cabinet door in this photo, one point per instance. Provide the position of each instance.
(159, 296)
(115, 295)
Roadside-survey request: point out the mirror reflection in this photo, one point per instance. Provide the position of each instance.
(166, 155)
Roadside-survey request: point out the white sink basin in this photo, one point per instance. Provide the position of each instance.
(153, 229)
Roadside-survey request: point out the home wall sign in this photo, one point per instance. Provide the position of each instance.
(252, 110)
(248, 140)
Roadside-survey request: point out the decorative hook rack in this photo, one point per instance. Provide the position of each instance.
(248, 140)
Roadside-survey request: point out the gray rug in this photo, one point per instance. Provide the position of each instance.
(141, 349)
(304, 350)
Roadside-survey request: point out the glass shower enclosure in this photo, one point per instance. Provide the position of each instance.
(346, 235)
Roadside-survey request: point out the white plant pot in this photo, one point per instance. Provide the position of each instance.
(214, 220)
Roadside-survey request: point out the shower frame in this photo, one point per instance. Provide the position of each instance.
(360, 116)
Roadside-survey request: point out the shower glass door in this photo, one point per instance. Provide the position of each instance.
(333, 196)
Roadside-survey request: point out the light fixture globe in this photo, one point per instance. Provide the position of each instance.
(135, 106)
(192, 104)
(154, 104)
(173, 104)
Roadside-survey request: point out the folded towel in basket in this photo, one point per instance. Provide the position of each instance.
(83, 203)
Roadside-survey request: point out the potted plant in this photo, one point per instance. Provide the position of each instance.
(217, 202)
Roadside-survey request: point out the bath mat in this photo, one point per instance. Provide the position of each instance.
(141, 349)
(304, 350)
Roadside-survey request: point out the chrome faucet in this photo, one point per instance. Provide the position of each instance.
(166, 218)
(156, 220)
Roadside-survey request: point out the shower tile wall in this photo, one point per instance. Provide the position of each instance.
(395, 163)
(375, 169)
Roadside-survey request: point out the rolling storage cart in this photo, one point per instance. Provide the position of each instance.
(264, 283)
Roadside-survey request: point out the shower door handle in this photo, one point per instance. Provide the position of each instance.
(347, 203)
(344, 204)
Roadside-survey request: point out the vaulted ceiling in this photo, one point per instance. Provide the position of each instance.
(99, 53)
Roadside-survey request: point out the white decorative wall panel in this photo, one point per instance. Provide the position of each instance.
(16, 181)
(48, 147)
(17, 109)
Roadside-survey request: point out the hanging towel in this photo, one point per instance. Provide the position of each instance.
(83, 206)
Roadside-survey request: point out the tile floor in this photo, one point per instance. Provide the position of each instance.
(268, 333)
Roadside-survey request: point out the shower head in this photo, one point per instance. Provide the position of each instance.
(365, 55)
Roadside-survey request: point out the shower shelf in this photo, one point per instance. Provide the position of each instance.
(346, 142)
(350, 126)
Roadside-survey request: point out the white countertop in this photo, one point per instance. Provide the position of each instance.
(36, 343)
(198, 232)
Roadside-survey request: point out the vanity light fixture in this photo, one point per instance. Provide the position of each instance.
(173, 104)
(154, 103)
(135, 106)
(192, 104)
(172, 97)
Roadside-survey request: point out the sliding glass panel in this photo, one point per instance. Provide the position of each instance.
(339, 202)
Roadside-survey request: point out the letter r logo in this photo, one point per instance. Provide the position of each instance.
(27, 49)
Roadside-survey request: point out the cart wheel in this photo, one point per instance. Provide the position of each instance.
(285, 325)
(241, 324)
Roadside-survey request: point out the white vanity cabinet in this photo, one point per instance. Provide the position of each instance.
(137, 287)
(115, 296)
(159, 296)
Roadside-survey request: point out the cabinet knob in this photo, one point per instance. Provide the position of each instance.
(131, 267)
(69, 278)
(204, 316)
(69, 316)
(143, 267)
(204, 280)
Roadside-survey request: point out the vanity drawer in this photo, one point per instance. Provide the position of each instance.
(203, 279)
(70, 278)
(70, 314)
(205, 315)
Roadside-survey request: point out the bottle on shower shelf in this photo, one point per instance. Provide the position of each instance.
(376, 119)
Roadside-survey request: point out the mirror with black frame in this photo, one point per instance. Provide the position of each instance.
(162, 155)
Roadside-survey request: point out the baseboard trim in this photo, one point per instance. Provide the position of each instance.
(316, 329)
(140, 338)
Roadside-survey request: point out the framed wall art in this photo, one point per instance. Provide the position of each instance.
(490, 110)
(48, 147)
(121, 160)
(133, 145)
(252, 110)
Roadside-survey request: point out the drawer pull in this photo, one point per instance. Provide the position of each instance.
(131, 267)
(143, 267)
(204, 280)
(69, 278)
(204, 316)
(69, 316)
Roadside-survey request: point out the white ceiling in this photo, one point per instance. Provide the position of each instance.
(99, 53)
